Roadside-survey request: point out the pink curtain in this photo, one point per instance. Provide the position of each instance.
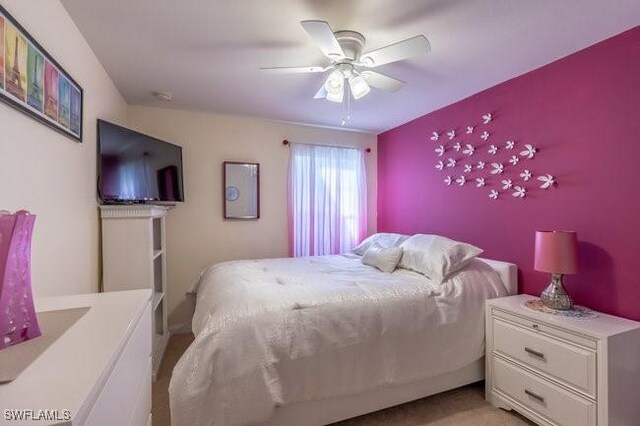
(327, 199)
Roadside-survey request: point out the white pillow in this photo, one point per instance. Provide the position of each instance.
(385, 240)
(435, 256)
(385, 259)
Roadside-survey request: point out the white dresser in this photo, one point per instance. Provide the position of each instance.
(556, 370)
(98, 372)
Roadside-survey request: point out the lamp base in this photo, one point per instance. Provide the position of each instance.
(555, 296)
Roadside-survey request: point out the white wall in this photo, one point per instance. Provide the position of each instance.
(49, 174)
(197, 235)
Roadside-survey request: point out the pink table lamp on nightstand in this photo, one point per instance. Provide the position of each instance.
(557, 253)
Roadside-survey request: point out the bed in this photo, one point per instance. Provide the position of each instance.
(311, 341)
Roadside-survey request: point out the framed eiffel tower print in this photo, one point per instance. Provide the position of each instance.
(34, 83)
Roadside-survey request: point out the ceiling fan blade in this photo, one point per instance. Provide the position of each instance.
(322, 93)
(381, 81)
(414, 46)
(322, 35)
(292, 70)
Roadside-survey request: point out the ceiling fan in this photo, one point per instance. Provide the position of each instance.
(349, 64)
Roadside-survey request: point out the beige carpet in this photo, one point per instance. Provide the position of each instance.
(459, 407)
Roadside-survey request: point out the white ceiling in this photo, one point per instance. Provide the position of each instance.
(208, 53)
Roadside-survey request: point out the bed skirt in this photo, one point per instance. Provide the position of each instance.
(331, 410)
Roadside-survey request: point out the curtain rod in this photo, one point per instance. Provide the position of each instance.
(367, 150)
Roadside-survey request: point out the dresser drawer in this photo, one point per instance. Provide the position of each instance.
(142, 406)
(561, 360)
(117, 400)
(543, 398)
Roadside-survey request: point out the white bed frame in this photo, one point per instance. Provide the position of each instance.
(330, 410)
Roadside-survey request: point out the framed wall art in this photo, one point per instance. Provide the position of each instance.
(34, 83)
(241, 190)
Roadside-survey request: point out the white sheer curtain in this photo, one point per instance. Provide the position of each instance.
(327, 199)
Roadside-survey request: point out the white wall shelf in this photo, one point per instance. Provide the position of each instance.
(134, 257)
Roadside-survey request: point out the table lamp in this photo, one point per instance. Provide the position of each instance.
(557, 253)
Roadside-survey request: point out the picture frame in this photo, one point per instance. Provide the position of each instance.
(241, 190)
(32, 82)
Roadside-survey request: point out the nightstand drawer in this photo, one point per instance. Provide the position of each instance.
(544, 398)
(540, 327)
(563, 361)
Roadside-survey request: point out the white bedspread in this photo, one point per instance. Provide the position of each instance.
(277, 331)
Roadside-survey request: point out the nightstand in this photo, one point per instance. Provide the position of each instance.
(562, 371)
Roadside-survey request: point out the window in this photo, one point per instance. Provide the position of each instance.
(327, 199)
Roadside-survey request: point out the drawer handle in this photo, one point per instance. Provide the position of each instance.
(534, 352)
(534, 395)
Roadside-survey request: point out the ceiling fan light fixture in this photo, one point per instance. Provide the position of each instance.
(359, 87)
(335, 82)
(335, 97)
(335, 87)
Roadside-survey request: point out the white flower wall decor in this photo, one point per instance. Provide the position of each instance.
(506, 184)
(525, 175)
(500, 158)
(547, 181)
(519, 192)
(529, 152)
(498, 168)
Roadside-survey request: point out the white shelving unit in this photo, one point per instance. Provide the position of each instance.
(134, 257)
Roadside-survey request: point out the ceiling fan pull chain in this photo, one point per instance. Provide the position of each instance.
(346, 106)
(344, 114)
(348, 88)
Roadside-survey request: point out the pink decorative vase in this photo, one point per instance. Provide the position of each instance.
(18, 321)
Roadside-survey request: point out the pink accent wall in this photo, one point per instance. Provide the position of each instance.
(583, 114)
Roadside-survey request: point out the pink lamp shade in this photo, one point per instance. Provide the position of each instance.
(556, 252)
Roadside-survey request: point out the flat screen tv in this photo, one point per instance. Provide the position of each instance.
(136, 168)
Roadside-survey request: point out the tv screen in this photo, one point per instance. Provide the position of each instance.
(136, 168)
